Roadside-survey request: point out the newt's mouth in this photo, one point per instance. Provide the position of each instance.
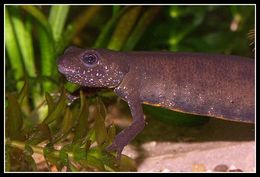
(66, 70)
(71, 74)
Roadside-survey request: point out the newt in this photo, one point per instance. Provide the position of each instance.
(214, 85)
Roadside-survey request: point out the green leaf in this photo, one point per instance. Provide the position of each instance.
(50, 102)
(101, 108)
(64, 157)
(57, 112)
(28, 152)
(140, 28)
(109, 161)
(76, 26)
(38, 15)
(57, 19)
(82, 125)
(24, 39)
(48, 56)
(72, 168)
(78, 152)
(100, 129)
(123, 28)
(52, 156)
(99, 125)
(111, 133)
(71, 87)
(108, 168)
(103, 37)
(93, 163)
(65, 126)
(127, 164)
(101, 160)
(84, 18)
(174, 11)
(93, 159)
(91, 134)
(12, 47)
(24, 92)
(116, 9)
(14, 120)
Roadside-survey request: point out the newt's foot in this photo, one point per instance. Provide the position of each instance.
(117, 148)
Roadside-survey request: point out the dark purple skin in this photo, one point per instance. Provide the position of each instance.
(221, 86)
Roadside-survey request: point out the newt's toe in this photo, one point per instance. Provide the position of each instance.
(115, 147)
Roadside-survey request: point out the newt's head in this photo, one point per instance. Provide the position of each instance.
(92, 67)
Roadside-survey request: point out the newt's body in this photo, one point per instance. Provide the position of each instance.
(219, 86)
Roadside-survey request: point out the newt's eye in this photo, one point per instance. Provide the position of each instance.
(90, 60)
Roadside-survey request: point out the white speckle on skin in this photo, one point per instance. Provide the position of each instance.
(200, 97)
(211, 110)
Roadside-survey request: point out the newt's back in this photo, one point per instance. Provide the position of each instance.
(213, 85)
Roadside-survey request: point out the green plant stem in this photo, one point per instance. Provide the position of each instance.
(36, 149)
(20, 145)
(76, 26)
(12, 49)
(140, 28)
(123, 28)
(57, 19)
(38, 15)
(101, 41)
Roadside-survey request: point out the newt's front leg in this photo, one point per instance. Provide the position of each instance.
(129, 133)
